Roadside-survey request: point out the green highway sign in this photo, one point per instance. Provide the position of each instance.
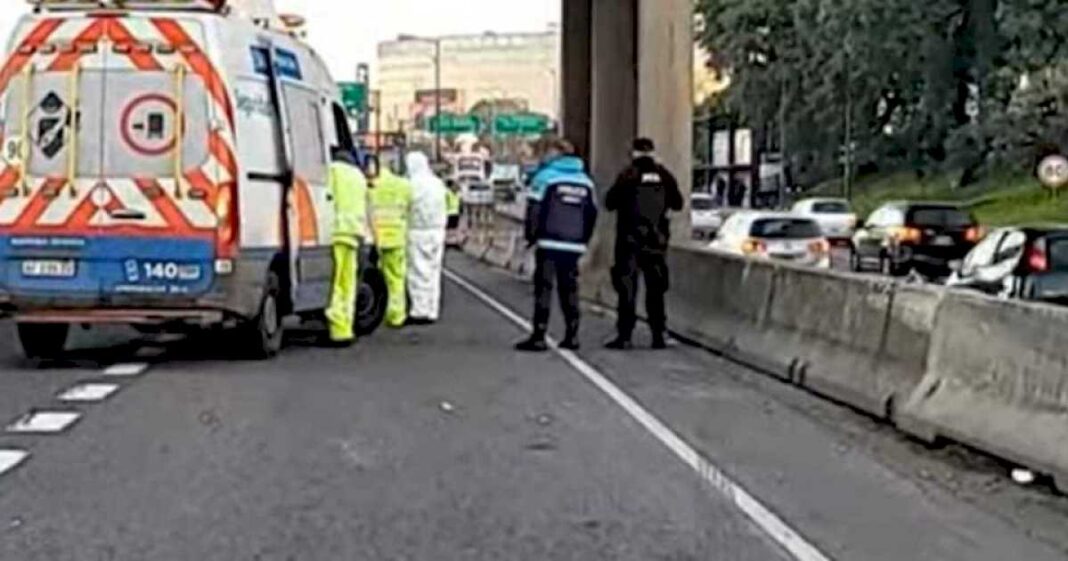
(451, 123)
(354, 97)
(521, 124)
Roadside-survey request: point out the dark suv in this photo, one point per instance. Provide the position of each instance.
(925, 237)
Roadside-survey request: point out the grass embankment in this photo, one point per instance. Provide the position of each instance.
(1001, 199)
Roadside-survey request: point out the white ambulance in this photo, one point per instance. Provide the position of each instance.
(164, 164)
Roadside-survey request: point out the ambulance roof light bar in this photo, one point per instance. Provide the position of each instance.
(87, 5)
(294, 25)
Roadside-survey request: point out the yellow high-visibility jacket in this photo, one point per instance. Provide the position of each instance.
(348, 187)
(391, 201)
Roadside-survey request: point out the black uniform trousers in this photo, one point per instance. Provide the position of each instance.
(561, 267)
(632, 262)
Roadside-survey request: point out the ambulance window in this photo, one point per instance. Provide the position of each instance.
(258, 131)
(141, 121)
(308, 138)
(52, 118)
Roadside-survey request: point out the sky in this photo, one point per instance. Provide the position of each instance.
(346, 32)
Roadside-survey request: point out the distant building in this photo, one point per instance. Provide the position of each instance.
(515, 66)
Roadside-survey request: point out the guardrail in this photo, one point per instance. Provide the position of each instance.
(989, 373)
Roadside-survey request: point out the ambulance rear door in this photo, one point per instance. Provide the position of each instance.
(162, 165)
(311, 210)
(53, 106)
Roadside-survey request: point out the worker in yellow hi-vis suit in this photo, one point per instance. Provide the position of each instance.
(391, 201)
(348, 187)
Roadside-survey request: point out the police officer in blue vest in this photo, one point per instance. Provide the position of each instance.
(561, 214)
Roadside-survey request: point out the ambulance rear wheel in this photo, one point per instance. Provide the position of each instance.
(371, 299)
(42, 341)
(262, 335)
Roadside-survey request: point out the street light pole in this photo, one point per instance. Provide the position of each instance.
(436, 41)
(437, 99)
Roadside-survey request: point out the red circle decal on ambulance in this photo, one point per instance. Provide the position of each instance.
(147, 124)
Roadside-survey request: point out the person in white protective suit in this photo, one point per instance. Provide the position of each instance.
(426, 240)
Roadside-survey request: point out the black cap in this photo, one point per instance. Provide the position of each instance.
(644, 145)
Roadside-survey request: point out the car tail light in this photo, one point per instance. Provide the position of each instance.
(1037, 260)
(226, 212)
(974, 234)
(819, 247)
(753, 247)
(907, 234)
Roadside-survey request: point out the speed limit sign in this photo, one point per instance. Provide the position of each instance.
(1053, 171)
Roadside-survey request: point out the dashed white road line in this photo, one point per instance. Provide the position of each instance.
(44, 422)
(88, 393)
(126, 370)
(10, 459)
(774, 526)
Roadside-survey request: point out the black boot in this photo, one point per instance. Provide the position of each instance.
(535, 344)
(620, 343)
(659, 341)
(571, 341)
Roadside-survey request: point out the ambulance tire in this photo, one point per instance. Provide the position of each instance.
(372, 297)
(43, 341)
(261, 337)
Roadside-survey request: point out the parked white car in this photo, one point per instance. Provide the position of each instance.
(705, 218)
(835, 217)
(776, 236)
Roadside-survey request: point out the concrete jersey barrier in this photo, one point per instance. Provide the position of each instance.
(849, 338)
(997, 379)
(989, 373)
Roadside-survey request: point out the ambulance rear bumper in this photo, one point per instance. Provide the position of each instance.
(232, 298)
(134, 316)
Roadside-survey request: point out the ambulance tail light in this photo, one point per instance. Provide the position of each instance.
(226, 212)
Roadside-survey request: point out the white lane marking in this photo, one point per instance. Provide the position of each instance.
(776, 528)
(10, 459)
(44, 422)
(88, 393)
(126, 370)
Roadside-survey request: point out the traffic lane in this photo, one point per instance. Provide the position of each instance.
(27, 385)
(438, 443)
(849, 484)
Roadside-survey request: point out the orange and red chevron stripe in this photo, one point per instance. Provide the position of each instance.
(166, 214)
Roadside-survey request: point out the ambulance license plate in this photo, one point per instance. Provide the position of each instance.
(49, 268)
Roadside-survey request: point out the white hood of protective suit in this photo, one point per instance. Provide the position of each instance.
(429, 211)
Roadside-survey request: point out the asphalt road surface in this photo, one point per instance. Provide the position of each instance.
(440, 443)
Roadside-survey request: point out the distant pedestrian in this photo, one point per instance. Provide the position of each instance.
(643, 194)
(561, 213)
(452, 204)
(426, 240)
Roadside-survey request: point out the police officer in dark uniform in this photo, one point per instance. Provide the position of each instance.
(561, 213)
(643, 194)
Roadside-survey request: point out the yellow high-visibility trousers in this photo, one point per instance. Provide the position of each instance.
(341, 315)
(394, 264)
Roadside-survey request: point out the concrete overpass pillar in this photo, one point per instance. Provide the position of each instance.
(665, 90)
(575, 65)
(640, 82)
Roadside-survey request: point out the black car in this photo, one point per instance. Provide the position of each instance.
(1029, 263)
(925, 237)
